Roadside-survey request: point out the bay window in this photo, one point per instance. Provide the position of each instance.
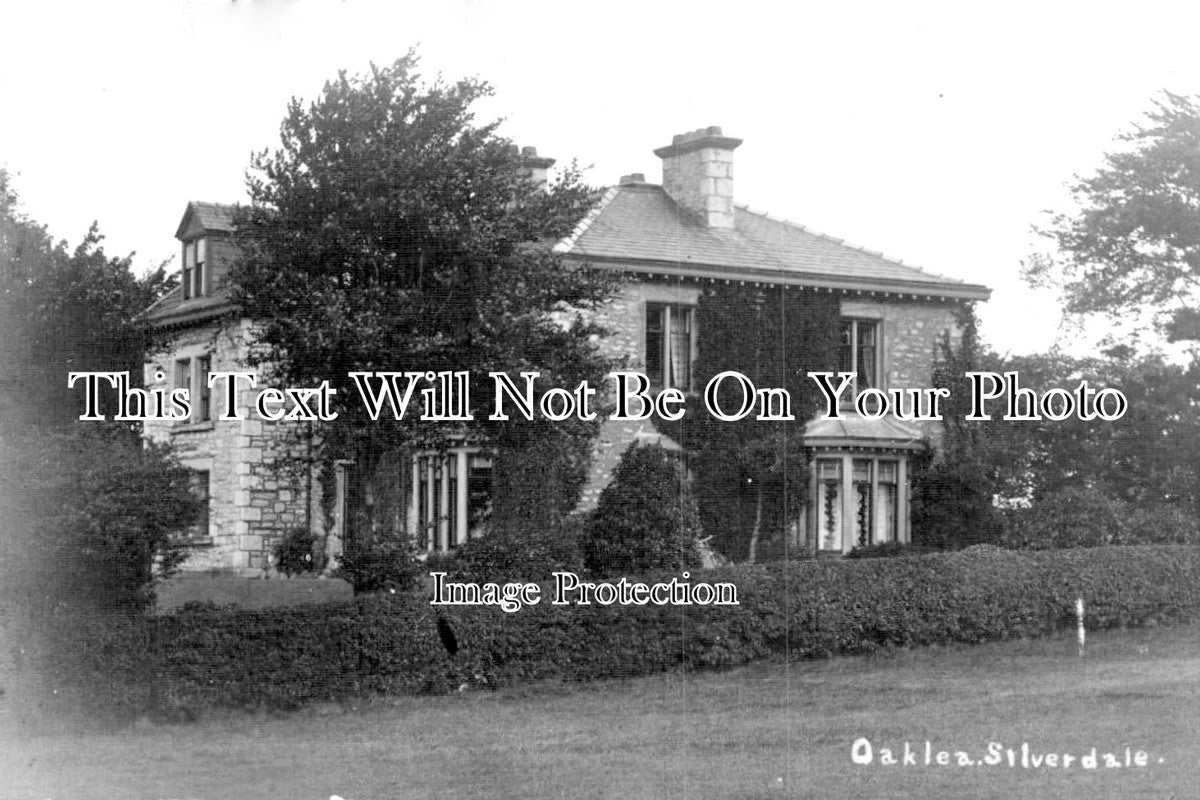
(858, 500)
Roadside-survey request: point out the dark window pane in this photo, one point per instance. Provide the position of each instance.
(681, 348)
(205, 400)
(199, 485)
(654, 344)
(846, 347)
(867, 361)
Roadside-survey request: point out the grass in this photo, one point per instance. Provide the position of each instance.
(772, 730)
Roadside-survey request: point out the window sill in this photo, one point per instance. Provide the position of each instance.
(192, 427)
(199, 542)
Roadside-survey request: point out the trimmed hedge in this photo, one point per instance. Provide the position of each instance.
(389, 644)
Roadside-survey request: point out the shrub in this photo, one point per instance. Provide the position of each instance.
(1071, 517)
(952, 506)
(887, 549)
(1162, 525)
(1089, 517)
(94, 513)
(294, 552)
(529, 555)
(388, 644)
(378, 566)
(646, 518)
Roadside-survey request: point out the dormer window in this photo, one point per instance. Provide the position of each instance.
(195, 277)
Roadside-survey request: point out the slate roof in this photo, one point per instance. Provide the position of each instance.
(169, 310)
(212, 217)
(638, 227)
(855, 431)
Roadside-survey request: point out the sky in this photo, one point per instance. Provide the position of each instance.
(939, 133)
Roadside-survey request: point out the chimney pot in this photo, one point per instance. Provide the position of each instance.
(633, 177)
(537, 167)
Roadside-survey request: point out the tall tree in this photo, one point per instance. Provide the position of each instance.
(89, 511)
(63, 311)
(1133, 246)
(390, 231)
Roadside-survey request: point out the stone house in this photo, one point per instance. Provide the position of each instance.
(672, 240)
(676, 238)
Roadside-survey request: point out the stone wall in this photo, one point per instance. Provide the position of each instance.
(625, 318)
(255, 494)
(911, 330)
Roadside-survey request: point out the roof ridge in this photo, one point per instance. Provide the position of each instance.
(568, 241)
(821, 235)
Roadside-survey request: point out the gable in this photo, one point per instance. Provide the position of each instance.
(201, 217)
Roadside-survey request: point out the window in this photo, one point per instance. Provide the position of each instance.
(199, 483)
(203, 395)
(192, 374)
(195, 257)
(829, 504)
(859, 351)
(864, 513)
(451, 498)
(669, 341)
(857, 501)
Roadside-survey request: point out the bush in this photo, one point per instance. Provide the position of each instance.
(1162, 525)
(1072, 517)
(389, 644)
(378, 566)
(887, 550)
(294, 552)
(93, 514)
(952, 506)
(1089, 517)
(530, 555)
(646, 518)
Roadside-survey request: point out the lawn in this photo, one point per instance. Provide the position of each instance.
(772, 730)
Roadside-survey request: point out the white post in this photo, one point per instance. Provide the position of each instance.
(1079, 616)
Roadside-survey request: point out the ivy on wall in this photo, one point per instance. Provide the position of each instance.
(752, 476)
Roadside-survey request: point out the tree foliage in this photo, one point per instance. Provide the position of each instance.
(1149, 457)
(751, 475)
(87, 509)
(646, 518)
(1147, 462)
(1134, 243)
(91, 517)
(952, 499)
(391, 231)
(61, 311)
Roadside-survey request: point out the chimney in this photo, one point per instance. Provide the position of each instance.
(537, 166)
(698, 174)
